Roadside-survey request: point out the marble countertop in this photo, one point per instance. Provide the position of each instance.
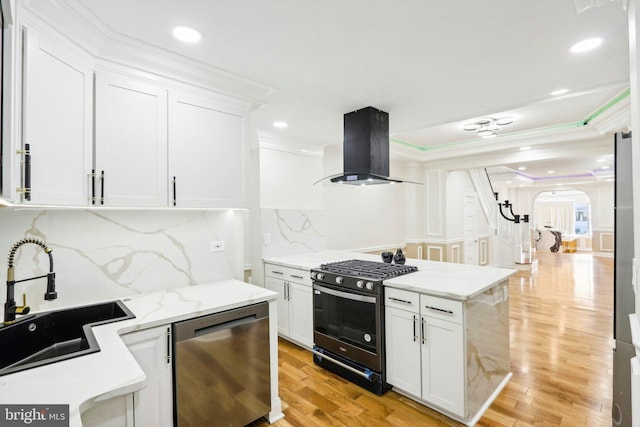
(445, 279)
(113, 371)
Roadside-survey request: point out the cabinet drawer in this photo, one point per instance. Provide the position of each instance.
(288, 273)
(441, 308)
(404, 300)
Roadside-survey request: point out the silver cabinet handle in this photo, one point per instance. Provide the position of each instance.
(400, 300)
(415, 336)
(277, 272)
(439, 309)
(297, 277)
(424, 339)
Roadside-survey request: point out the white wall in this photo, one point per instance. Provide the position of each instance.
(600, 194)
(363, 217)
(286, 180)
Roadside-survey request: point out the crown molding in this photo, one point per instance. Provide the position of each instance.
(90, 34)
(289, 143)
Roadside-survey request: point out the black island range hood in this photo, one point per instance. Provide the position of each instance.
(366, 149)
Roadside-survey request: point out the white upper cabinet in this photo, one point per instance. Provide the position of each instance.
(131, 142)
(207, 153)
(135, 124)
(56, 122)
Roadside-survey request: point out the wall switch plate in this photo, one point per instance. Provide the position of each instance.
(217, 246)
(267, 239)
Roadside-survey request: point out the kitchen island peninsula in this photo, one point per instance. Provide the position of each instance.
(130, 380)
(445, 328)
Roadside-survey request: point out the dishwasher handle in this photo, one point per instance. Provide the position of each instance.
(227, 325)
(202, 325)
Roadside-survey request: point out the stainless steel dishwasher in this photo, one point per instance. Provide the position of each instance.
(221, 368)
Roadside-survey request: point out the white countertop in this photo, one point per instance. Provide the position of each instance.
(113, 371)
(446, 279)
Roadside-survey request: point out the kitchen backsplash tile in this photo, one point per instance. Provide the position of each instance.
(293, 231)
(101, 255)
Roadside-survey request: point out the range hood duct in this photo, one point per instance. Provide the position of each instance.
(366, 149)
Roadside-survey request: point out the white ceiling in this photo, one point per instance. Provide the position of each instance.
(433, 66)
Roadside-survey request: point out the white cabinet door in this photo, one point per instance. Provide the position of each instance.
(153, 405)
(114, 412)
(57, 121)
(206, 153)
(443, 367)
(280, 286)
(403, 349)
(301, 313)
(131, 142)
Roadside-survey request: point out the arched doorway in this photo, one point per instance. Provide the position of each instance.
(562, 221)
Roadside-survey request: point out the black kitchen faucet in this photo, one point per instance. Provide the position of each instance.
(10, 307)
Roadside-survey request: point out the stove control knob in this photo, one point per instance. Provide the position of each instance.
(360, 284)
(370, 286)
(313, 274)
(320, 276)
(339, 280)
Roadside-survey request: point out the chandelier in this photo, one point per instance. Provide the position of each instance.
(487, 127)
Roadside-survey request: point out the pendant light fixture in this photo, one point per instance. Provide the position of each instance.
(487, 127)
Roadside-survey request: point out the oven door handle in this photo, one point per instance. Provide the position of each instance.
(354, 297)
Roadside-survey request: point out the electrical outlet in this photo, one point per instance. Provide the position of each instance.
(267, 239)
(217, 246)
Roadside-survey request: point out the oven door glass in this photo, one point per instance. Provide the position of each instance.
(346, 316)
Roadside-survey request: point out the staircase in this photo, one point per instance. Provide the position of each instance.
(511, 240)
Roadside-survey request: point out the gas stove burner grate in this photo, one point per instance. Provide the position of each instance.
(375, 270)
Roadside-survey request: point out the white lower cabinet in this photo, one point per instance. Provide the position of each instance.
(152, 405)
(295, 302)
(425, 348)
(443, 364)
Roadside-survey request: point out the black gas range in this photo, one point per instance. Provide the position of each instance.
(348, 319)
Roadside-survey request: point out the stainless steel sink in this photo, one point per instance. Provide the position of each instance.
(50, 337)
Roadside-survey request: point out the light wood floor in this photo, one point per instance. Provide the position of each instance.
(561, 359)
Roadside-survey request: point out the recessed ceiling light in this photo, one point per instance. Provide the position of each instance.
(280, 124)
(187, 34)
(551, 171)
(526, 147)
(559, 92)
(604, 167)
(601, 160)
(586, 45)
(522, 168)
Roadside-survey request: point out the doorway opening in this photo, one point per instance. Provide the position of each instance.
(562, 221)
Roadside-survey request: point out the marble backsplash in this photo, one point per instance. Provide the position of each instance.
(290, 232)
(107, 254)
